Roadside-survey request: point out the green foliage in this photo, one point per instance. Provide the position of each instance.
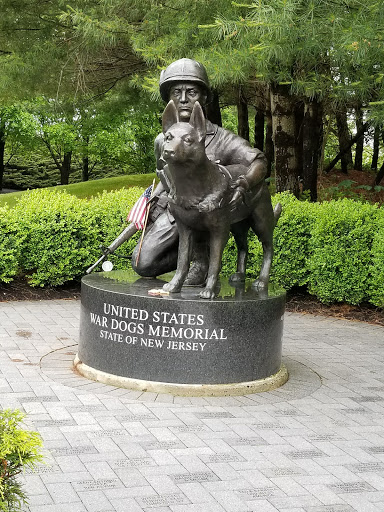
(19, 448)
(292, 237)
(291, 245)
(311, 46)
(17, 127)
(59, 234)
(334, 248)
(10, 245)
(340, 246)
(376, 285)
(62, 234)
(30, 171)
(344, 189)
(110, 211)
(115, 135)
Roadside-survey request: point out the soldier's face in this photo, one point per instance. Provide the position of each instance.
(185, 95)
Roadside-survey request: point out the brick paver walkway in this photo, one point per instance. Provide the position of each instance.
(314, 445)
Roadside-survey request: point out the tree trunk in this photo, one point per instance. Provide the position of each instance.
(376, 147)
(325, 134)
(213, 108)
(269, 147)
(360, 141)
(379, 176)
(299, 120)
(2, 149)
(85, 169)
(259, 129)
(312, 144)
(242, 116)
(344, 140)
(352, 141)
(85, 160)
(65, 169)
(284, 137)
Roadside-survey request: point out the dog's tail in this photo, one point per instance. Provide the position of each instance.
(277, 212)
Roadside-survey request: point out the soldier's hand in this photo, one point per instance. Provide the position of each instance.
(237, 198)
(239, 186)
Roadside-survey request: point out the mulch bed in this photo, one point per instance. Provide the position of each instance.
(20, 290)
(301, 302)
(298, 300)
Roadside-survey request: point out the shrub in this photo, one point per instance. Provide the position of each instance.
(110, 211)
(291, 245)
(19, 448)
(60, 236)
(10, 244)
(335, 248)
(340, 249)
(376, 285)
(292, 241)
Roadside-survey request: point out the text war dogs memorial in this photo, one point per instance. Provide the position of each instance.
(159, 329)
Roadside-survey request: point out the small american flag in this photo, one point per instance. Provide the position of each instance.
(137, 214)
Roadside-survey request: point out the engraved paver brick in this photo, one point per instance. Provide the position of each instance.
(156, 501)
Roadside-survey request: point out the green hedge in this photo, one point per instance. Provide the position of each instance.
(110, 211)
(60, 235)
(341, 251)
(10, 245)
(291, 245)
(335, 249)
(376, 267)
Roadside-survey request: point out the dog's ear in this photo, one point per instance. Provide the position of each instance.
(170, 116)
(197, 120)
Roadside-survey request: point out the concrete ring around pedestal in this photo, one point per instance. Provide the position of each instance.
(180, 344)
(231, 389)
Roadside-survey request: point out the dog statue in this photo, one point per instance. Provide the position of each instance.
(200, 201)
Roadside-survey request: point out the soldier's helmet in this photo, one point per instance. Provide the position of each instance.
(183, 70)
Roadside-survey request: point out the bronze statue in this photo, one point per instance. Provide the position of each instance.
(185, 82)
(201, 200)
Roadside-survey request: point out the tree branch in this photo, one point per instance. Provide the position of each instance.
(58, 164)
(353, 141)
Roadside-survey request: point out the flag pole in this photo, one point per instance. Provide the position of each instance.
(145, 222)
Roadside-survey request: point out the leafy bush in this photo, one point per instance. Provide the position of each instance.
(376, 287)
(291, 245)
(340, 248)
(334, 248)
(10, 244)
(60, 236)
(19, 448)
(292, 241)
(110, 211)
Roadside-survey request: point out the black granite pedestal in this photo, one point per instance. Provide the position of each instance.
(180, 343)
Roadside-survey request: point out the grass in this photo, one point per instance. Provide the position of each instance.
(88, 189)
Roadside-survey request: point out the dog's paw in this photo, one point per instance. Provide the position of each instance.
(237, 277)
(207, 294)
(207, 206)
(260, 285)
(172, 287)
